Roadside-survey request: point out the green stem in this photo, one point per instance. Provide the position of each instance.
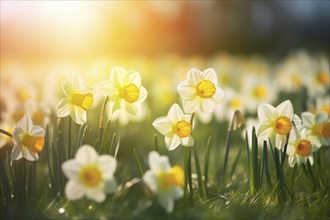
(138, 162)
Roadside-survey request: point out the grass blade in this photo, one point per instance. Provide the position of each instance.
(206, 165)
(199, 173)
(138, 162)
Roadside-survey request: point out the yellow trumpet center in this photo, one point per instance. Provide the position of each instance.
(130, 93)
(23, 94)
(322, 130)
(304, 148)
(182, 128)
(323, 78)
(173, 177)
(260, 92)
(35, 143)
(283, 125)
(235, 103)
(84, 101)
(91, 176)
(205, 89)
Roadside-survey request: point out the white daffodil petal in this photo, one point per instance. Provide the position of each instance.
(285, 109)
(207, 105)
(186, 91)
(86, 155)
(79, 115)
(16, 153)
(108, 165)
(150, 179)
(175, 113)
(195, 76)
(71, 169)
(97, 195)
(37, 131)
(219, 95)
(110, 186)
(30, 155)
(210, 74)
(307, 119)
(163, 126)
(264, 130)
(63, 108)
(322, 117)
(166, 203)
(117, 75)
(132, 108)
(133, 77)
(67, 88)
(187, 141)
(191, 106)
(143, 94)
(280, 141)
(175, 192)
(172, 142)
(158, 163)
(73, 190)
(25, 123)
(265, 112)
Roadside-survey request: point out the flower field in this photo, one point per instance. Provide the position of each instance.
(173, 137)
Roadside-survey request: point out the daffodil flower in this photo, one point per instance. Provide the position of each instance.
(318, 126)
(175, 127)
(301, 147)
(200, 91)
(79, 98)
(124, 90)
(276, 123)
(90, 175)
(164, 181)
(28, 140)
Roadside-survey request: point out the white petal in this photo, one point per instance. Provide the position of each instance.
(71, 169)
(280, 141)
(187, 141)
(163, 126)
(117, 76)
(186, 91)
(150, 179)
(86, 154)
(265, 112)
(133, 108)
(108, 89)
(191, 106)
(166, 203)
(110, 185)
(67, 88)
(117, 105)
(285, 109)
(73, 190)
(16, 153)
(158, 163)
(322, 117)
(207, 105)
(78, 115)
(308, 119)
(107, 165)
(172, 142)
(143, 94)
(16, 135)
(175, 113)
(30, 155)
(96, 194)
(211, 75)
(219, 95)
(296, 120)
(133, 77)
(311, 160)
(292, 160)
(195, 76)
(264, 130)
(175, 192)
(63, 108)
(25, 123)
(76, 81)
(37, 131)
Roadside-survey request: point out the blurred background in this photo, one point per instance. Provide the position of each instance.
(87, 29)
